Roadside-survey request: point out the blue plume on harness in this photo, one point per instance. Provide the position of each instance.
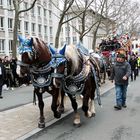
(57, 59)
(52, 50)
(26, 46)
(57, 56)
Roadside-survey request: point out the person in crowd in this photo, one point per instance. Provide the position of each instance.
(9, 75)
(133, 64)
(120, 75)
(138, 61)
(13, 66)
(2, 77)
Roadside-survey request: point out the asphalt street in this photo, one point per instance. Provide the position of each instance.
(108, 123)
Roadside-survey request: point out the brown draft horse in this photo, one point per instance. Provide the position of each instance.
(36, 55)
(78, 80)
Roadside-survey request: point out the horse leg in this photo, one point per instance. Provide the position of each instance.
(77, 121)
(85, 107)
(92, 107)
(55, 104)
(61, 103)
(41, 123)
(88, 106)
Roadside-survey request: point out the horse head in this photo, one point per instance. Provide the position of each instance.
(34, 51)
(58, 63)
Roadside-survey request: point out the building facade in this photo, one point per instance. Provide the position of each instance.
(39, 21)
(70, 31)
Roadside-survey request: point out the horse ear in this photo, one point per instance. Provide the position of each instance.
(62, 51)
(52, 49)
(30, 43)
(21, 39)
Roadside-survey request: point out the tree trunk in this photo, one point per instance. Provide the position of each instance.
(15, 31)
(95, 36)
(57, 36)
(81, 38)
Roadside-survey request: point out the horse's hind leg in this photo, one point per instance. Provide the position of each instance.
(41, 123)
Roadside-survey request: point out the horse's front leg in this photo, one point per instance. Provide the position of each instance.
(55, 103)
(76, 121)
(61, 103)
(41, 123)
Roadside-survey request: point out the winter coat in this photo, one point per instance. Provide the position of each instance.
(119, 70)
(2, 74)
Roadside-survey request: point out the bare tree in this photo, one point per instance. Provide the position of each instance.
(66, 7)
(18, 11)
(64, 16)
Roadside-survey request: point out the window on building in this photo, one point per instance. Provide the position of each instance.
(74, 29)
(51, 30)
(39, 10)
(19, 25)
(25, 5)
(33, 27)
(33, 11)
(9, 2)
(1, 22)
(1, 2)
(39, 28)
(2, 44)
(74, 40)
(67, 30)
(68, 40)
(50, 4)
(10, 23)
(26, 26)
(10, 45)
(45, 29)
(45, 12)
(50, 14)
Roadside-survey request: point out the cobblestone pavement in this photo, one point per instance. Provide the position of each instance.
(19, 122)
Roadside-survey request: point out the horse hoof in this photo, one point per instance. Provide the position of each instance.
(41, 125)
(57, 115)
(93, 114)
(61, 110)
(77, 125)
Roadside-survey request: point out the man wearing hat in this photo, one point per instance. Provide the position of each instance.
(120, 73)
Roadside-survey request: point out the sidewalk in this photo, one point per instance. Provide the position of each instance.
(21, 122)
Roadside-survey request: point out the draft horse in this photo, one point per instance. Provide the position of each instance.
(79, 79)
(36, 55)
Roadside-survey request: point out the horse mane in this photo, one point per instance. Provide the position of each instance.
(72, 55)
(37, 42)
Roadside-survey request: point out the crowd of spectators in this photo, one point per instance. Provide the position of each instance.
(12, 76)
